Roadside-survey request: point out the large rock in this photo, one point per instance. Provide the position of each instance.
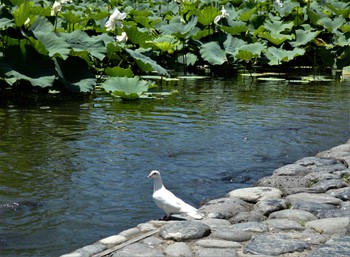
(232, 235)
(270, 205)
(255, 194)
(250, 227)
(283, 224)
(224, 208)
(340, 152)
(313, 198)
(139, 250)
(291, 170)
(283, 182)
(330, 226)
(318, 209)
(336, 247)
(211, 252)
(275, 244)
(184, 230)
(216, 243)
(178, 249)
(325, 185)
(292, 214)
(342, 193)
(247, 216)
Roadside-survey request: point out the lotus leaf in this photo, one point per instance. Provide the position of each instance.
(304, 36)
(207, 15)
(212, 53)
(332, 25)
(119, 72)
(276, 55)
(126, 88)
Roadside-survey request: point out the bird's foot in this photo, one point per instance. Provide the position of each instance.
(166, 218)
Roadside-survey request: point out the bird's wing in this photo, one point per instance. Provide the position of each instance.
(167, 201)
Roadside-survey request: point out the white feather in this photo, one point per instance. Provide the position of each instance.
(167, 201)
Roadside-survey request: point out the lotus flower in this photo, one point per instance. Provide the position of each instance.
(115, 19)
(123, 37)
(224, 14)
(56, 8)
(278, 4)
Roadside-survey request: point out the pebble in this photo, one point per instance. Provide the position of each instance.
(301, 210)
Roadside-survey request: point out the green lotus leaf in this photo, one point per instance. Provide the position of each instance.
(277, 26)
(331, 25)
(207, 15)
(126, 88)
(22, 62)
(4, 23)
(166, 43)
(187, 59)
(287, 8)
(276, 55)
(232, 45)
(274, 38)
(339, 8)
(246, 14)
(137, 37)
(346, 27)
(304, 36)
(80, 41)
(74, 74)
(212, 53)
(236, 27)
(55, 45)
(249, 51)
(22, 13)
(119, 72)
(177, 28)
(146, 63)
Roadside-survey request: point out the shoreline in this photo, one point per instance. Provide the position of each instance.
(302, 209)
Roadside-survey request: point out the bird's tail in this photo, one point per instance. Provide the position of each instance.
(195, 214)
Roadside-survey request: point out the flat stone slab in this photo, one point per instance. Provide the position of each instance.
(255, 194)
(184, 230)
(340, 152)
(330, 225)
(342, 193)
(216, 243)
(224, 208)
(314, 198)
(139, 250)
(336, 247)
(232, 235)
(325, 185)
(211, 252)
(113, 240)
(283, 224)
(250, 227)
(293, 214)
(275, 244)
(270, 205)
(179, 249)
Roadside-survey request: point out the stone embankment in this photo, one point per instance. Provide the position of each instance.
(303, 209)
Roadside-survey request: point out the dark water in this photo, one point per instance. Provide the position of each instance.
(82, 166)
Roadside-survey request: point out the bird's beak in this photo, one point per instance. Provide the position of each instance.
(149, 176)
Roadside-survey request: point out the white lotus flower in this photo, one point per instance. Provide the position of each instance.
(57, 6)
(123, 37)
(278, 4)
(224, 14)
(115, 19)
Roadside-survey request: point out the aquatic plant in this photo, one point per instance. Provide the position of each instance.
(71, 46)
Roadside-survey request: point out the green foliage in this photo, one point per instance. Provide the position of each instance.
(67, 49)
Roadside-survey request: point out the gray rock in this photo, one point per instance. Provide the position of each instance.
(275, 244)
(254, 194)
(315, 162)
(340, 152)
(139, 250)
(296, 190)
(319, 176)
(270, 205)
(216, 223)
(152, 241)
(293, 214)
(318, 209)
(232, 235)
(129, 233)
(291, 170)
(313, 198)
(247, 217)
(178, 249)
(113, 240)
(211, 252)
(336, 247)
(283, 182)
(215, 243)
(224, 208)
(331, 168)
(283, 224)
(330, 226)
(341, 193)
(89, 250)
(345, 206)
(250, 227)
(324, 185)
(334, 213)
(184, 230)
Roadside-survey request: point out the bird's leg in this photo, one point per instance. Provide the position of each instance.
(166, 217)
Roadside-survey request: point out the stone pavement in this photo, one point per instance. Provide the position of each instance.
(303, 209)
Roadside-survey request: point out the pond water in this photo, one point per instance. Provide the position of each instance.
(80, 167)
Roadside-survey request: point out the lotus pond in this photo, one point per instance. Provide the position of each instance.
(79, 167)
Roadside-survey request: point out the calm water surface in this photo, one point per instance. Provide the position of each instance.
(86, 163)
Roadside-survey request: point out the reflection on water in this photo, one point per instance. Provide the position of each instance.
(83, 165)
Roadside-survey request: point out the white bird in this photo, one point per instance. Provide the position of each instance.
(167, 201)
